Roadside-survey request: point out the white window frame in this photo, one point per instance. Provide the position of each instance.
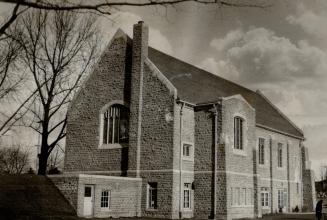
(190, 157)
(107, 197)
(187, 191)
(261, 151)
(265, 199)
(152, 205)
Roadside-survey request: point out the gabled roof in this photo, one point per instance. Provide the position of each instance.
(198, 86)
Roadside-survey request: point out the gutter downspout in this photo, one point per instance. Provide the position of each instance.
(180, 162)
(215, 161)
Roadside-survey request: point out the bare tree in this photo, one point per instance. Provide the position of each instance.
(56, 158)
(106, 7)
(13, 160)
(12, 79)
(58, 48)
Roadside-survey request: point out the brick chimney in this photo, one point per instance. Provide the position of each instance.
(139, 54)
(140, 42)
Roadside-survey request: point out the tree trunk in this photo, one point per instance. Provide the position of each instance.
(42, 164)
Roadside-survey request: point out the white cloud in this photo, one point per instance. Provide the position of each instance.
(293, 75)
(231, 37)
(221, 68)
(312, 22)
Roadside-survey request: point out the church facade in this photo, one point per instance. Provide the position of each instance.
(152, 136)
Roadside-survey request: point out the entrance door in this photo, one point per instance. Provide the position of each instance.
(88, 200)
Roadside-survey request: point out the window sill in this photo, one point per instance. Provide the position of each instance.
(111, 146)
(242, 206)
(265, 207)
(187, 210)
(188, 158)
(105, 209)
(281, 168)
(239, 152)
(263, 165)
(151, 210)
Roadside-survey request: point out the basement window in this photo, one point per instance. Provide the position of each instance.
(152, 195)
(187, 196)
(105, 199)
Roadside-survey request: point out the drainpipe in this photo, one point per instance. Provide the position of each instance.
(180, 162)
(215, 161)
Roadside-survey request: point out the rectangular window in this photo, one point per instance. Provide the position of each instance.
(187, 196)
(282, 198)
(238, 133)
(265, 199)
(105, 199)
(261, 151)
(249, 197)
(187, 150)
(152, 195)
(243, 196)
(280, 155)
(297, 188)
(87, 191)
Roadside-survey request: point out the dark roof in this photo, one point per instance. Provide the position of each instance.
(198, 86)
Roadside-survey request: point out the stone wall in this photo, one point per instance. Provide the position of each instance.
(68, 186)
(287, 177)
(109, 82)
(204, 163)
(125, 194)
(156, 149)
(239, 163)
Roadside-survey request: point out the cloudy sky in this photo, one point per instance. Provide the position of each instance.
(281, 50)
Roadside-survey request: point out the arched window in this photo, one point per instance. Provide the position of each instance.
(238, 133)
(115, 124)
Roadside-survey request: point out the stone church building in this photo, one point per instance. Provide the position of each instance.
(149, 135)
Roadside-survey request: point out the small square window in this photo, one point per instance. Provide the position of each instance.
(187, 150)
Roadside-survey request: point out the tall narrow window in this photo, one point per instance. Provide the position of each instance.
(261, 151)
(152, 195)
(105, 199)
(265, 198)
(280, 155)
(187, 195)
(281, 198)
(115, 125)
(238, 133)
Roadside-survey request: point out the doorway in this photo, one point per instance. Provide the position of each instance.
(88, 200)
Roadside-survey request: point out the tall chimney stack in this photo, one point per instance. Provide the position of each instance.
(140, 42)
(139, 54)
